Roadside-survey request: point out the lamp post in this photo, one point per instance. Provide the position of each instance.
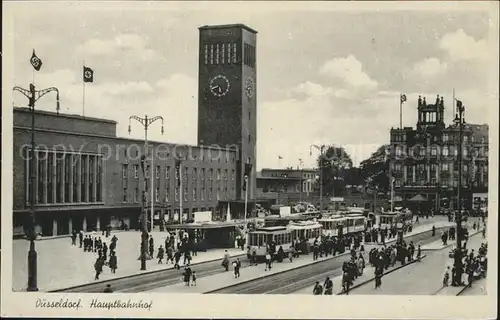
(33, 95)
(458, 264)
(321, 149)
(146, 122)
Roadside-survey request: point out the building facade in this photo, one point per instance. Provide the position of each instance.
(424, 160)
(86, 177)
(285, 184)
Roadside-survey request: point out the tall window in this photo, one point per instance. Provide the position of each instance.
(83, 175)
(167, 194)
(42, 176)
(59, 169)
(234, 53)
(202, 174)
(136, 171)
(67, 168)
(229, 46)
(125, 194)
(206, 54)
(211, 54)
(233, 174)
(99, 174)
(176, 193)
(157, 195)
(217, 54)
(124, 171)
(157, 172)
(202, 194)
(210, 191)
(167, 172)
(218, 174)
(210, 174)
(76, 170)
(194, 194)
(91, 178)
(223, 53)
(195, 173)
(185, 194)
(136, 195)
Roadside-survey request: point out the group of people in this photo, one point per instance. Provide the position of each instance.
(467, 266)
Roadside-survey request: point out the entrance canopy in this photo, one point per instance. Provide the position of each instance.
(418, 198)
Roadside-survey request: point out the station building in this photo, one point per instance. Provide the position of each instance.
(424, 160)
(86, 177)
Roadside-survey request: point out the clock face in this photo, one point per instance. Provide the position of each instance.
(219, 85)
(249, 87)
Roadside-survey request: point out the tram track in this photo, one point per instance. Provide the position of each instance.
(293, 280)
(153, 279)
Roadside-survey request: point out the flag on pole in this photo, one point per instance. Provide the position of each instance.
(403, 97)
(178, 172)
(88, 74)
(460, 106)
(280, 157)
(35, 61)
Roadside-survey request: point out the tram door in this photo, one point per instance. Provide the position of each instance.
(340, 229)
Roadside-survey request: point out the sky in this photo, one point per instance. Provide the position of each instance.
(326, 74)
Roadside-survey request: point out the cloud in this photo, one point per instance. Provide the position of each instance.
(461, 47)
(123, 43)
(430, 67)
(349, 70)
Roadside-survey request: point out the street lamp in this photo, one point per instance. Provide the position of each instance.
(146, 122)
(321, 148)
(458, 264)
(33, 96)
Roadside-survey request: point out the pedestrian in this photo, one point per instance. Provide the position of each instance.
(108, 289)
(73, 237)
(236, 267)
(328, 286)
(268, 261)
(80, 237)
(113, 262)
(378, 277)
(187, 275)
(105, 251)
(346, 282)
(151, 246)
(193, 279)
(290, 254)
(484, 233)
(225, 260)
(98, 267)
(446, 277)
(161, 254)
(318, 289)
(177, 258)
(419, 253)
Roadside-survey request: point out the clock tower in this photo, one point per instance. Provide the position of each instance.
(227, 83)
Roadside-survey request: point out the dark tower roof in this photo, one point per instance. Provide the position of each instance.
(228, 26)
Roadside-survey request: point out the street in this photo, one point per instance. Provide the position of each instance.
(424, 278)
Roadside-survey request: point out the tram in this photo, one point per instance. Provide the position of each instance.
(302, 233)
(275, 220)
(342, 225)
(398, 219)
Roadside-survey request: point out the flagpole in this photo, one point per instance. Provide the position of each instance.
(246, 197)
(400, 111)
(182, 196)
(153, 191)
(453, 115)
(83, 92)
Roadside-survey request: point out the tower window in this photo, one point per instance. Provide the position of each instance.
(228, 53)
(223, 53)
(234, 52)
(217, 54)
(211, 54)
(206, 54)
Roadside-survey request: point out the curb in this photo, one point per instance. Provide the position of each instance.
(386, 273)
(453, 243)
(277, 273)
(132, 276)
(307, 265)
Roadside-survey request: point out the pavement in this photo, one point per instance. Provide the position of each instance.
(62, 265)
(424, 278)
(478, 288)
(219, 281)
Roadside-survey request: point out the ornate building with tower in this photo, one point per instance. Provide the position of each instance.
(423, 160)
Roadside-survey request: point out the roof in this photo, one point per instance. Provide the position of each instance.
(207, 225)
(227, 26)
(64, 115)
(271, 229)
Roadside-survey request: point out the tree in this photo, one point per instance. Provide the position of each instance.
(375, 169)
(334, 164)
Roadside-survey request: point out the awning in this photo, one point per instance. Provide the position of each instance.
(418, 198)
